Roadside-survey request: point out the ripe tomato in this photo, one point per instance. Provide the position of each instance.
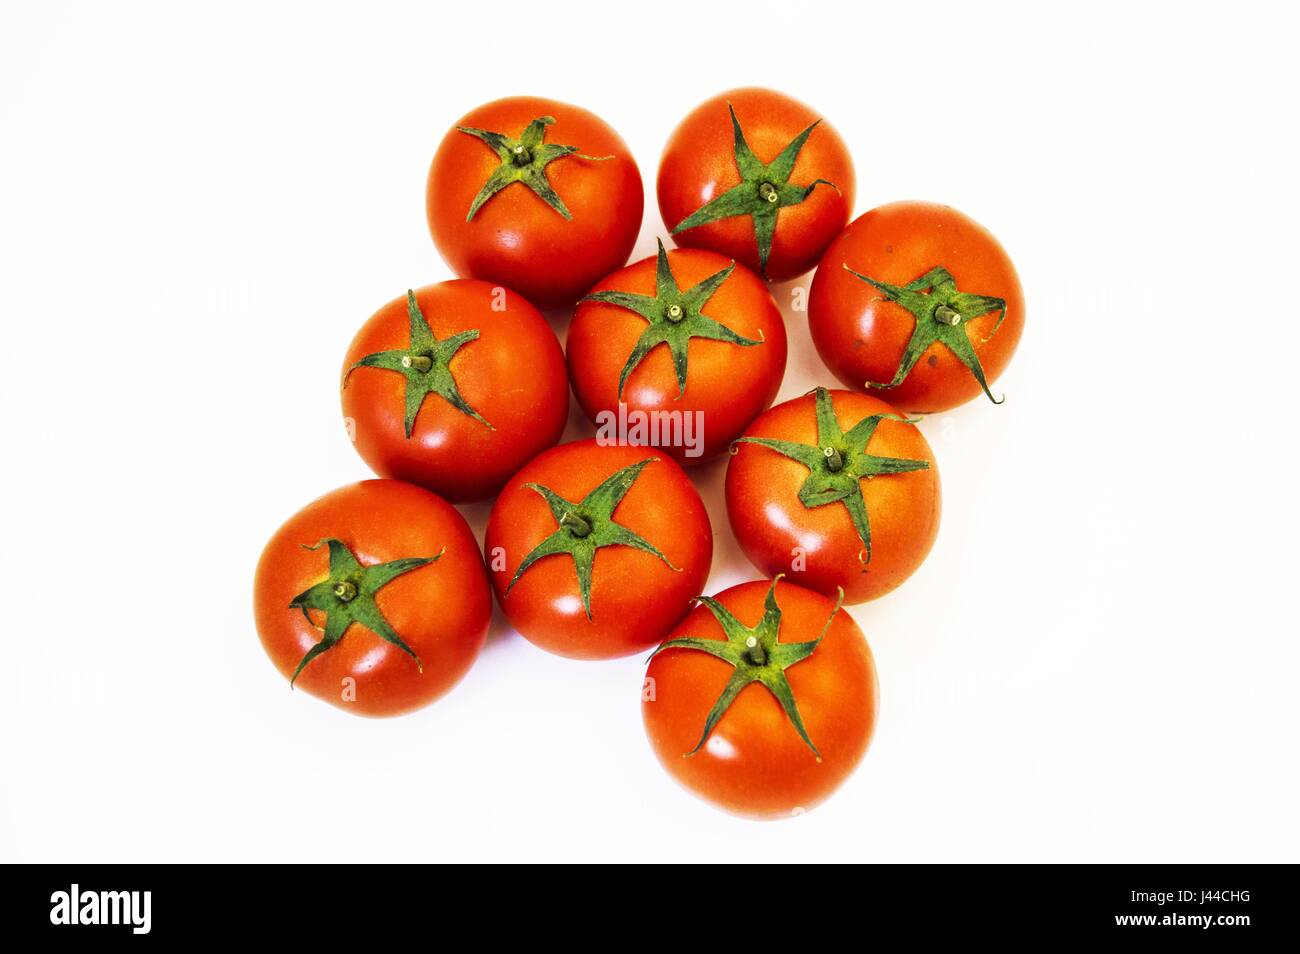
(455, 387)
(343, 593)
(595, 551)
(763, 700)
(758, 177)
(537, 195)
(920, 301)
(721, 361)
(836, 490)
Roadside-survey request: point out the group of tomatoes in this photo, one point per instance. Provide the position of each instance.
(377, 598)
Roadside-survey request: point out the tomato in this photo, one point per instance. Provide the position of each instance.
(837, 490)
(758, 177)
(596, 551)
(919, 301)
(540, 196)
(762, 700)
(373, 598)
(690, 342)
(455, 387)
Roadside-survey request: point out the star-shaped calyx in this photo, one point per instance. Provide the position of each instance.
(764, 189)
(523, 160)
(583, 528)
(347, 596)
(941, 313)
(757, 655)
(840, 461)
(675, 318)
(426, 365)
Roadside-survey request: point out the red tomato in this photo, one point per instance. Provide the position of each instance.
(766, 182)
(793, 684)
(836, 490)
(343, 593)
(693, 344)
(455, 387)
(537, 195)
(595, 551)
(920, 301)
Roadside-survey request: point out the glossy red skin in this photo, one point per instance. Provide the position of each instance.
(513, 375)
(754, 762)
(699, 164)
(861, 336)
(762, 491)
(379, 520)
(516, 239)
(729, 384)
(635, 598)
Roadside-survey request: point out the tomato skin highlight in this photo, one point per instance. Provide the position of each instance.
(635, 597)
(513, 375)
(698, 164)
(727, 384)
(861, 336)
(773, 526)
(754, 763)
(441, 610)
(515, 239)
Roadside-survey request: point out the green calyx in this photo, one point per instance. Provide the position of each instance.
(524, 160)
(426, 365)
(941, 313)
(840, 461)
(347, 596)
(764, 189)
(757, 655)
(674, 316)
(583, 528)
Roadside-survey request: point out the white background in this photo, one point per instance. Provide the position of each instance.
(200, 205)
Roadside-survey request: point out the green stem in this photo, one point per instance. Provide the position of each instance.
(946, 316)
(754, 652)
(576, 524)
(834, 459)
(420, 362)
(345, 590)
(521, 156)
(768, 192)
